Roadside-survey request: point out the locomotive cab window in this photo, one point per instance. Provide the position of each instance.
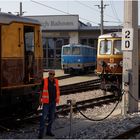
(105, 47)
(76, 50)
(117, 47)
(29, 38)
(66, 51)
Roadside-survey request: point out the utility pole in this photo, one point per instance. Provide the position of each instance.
(102, 7)
(20, 13)
(102, 17)
(130, 80)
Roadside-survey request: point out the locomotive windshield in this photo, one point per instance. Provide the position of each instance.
(75, 50)
(66, 51)
(105, 47)
(29, 39)
(117, 47)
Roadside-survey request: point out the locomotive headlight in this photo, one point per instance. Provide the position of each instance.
(121, 63)
(78, 60)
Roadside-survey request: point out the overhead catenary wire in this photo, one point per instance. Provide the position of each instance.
(62, 11)
(114, 11)
(50, 7)
(118, 20)
(113, 21)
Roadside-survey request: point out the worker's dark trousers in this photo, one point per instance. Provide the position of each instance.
(48, 111)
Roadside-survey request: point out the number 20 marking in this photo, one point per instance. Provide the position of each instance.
(127, 39)
(127, 42)
(127, 34)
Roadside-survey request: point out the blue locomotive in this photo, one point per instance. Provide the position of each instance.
(77, 58)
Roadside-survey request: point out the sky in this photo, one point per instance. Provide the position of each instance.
(88, 10)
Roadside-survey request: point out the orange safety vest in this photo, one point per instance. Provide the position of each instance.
(45, 93)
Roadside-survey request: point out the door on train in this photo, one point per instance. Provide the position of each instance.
(29, 51)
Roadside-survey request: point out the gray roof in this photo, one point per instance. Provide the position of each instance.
(98, 28)
(6, 18)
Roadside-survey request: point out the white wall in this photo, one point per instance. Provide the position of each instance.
(58, 22)
(74, 37)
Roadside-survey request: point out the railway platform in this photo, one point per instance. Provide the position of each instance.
(58, 72)
(72, 79)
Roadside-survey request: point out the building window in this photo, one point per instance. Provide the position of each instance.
(83, 41)
(52, 51)
(89, 41)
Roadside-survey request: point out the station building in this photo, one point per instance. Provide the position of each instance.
(58, 30)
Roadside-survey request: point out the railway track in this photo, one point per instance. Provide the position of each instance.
(64, 77)
(65, 109)
(80, 87)
(90, 103)
(129, 134)
(11, 125)
(70, 76)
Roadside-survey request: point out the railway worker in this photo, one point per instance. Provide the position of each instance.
(49, 97)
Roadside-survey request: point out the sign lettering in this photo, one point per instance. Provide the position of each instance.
(127, 39)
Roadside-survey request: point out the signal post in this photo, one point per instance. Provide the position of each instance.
(130, 79)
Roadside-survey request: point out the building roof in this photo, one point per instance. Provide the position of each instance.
(88, 28)
(81, 26)
(7, 18)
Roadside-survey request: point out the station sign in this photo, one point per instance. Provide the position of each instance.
(127, 39)
(58, 22)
